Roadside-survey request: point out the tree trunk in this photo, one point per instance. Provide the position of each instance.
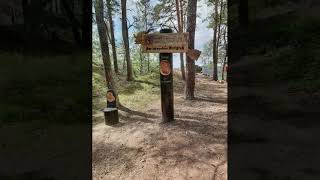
(226, 54)
(148, 62)
(191, 26)
(104, 45)
(215, 52)
(219, 34)
(180, 27)
(126, 39)
(124, 65)
(113, 43)
(223, 67)
(141, 61)
(183, 73)
(146, 29)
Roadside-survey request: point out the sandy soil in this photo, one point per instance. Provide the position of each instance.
(140, 147)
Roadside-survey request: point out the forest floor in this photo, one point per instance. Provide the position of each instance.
(141, 147)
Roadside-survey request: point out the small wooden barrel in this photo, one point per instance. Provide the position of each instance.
(111, 116)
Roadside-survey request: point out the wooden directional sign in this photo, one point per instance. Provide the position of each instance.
(163, 42)
(166, 43)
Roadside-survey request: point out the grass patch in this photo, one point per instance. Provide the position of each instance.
(136, 95)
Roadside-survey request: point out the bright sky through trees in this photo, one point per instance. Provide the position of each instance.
(203, 34)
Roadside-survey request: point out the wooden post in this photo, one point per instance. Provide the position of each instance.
(111, 111)
(111, 116)
(166, 81)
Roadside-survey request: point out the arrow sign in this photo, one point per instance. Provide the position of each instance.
(193, 54)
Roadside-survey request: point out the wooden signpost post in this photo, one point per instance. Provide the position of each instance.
(166, 43)
(166, 81)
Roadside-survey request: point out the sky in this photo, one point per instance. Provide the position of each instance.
(202, 34)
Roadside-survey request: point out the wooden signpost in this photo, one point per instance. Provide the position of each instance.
(166, 82)
(166, 43)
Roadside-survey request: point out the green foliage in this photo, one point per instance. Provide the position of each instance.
(211, 15)
(163, 14)
(135, 94)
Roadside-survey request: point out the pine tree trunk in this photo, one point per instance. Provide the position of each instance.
(124, 65)
(183, 73)
(148, 62)
(219, 33)
(104, 44)
(191, 26)
(126, 39)
(146, 29)
(141, 61)
(113, 43)
(215, 52)
(180, 27)
(226, 54)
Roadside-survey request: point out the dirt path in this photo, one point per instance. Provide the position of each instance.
(140, 147)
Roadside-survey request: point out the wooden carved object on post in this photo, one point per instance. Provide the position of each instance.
(111, 99)
(166, 43)
(111, 111)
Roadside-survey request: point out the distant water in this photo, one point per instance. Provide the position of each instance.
(209, 72)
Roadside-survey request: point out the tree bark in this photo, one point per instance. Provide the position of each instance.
(104, 45)
(226, 54)
(113, 43)
(183, 72)
(146, 29)
(141, 61)
(219, 22)
(126, 39)
(215, 52)
(180, 23)
(183, 24)
(124, 66)
(191, 26)
(148, 62)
